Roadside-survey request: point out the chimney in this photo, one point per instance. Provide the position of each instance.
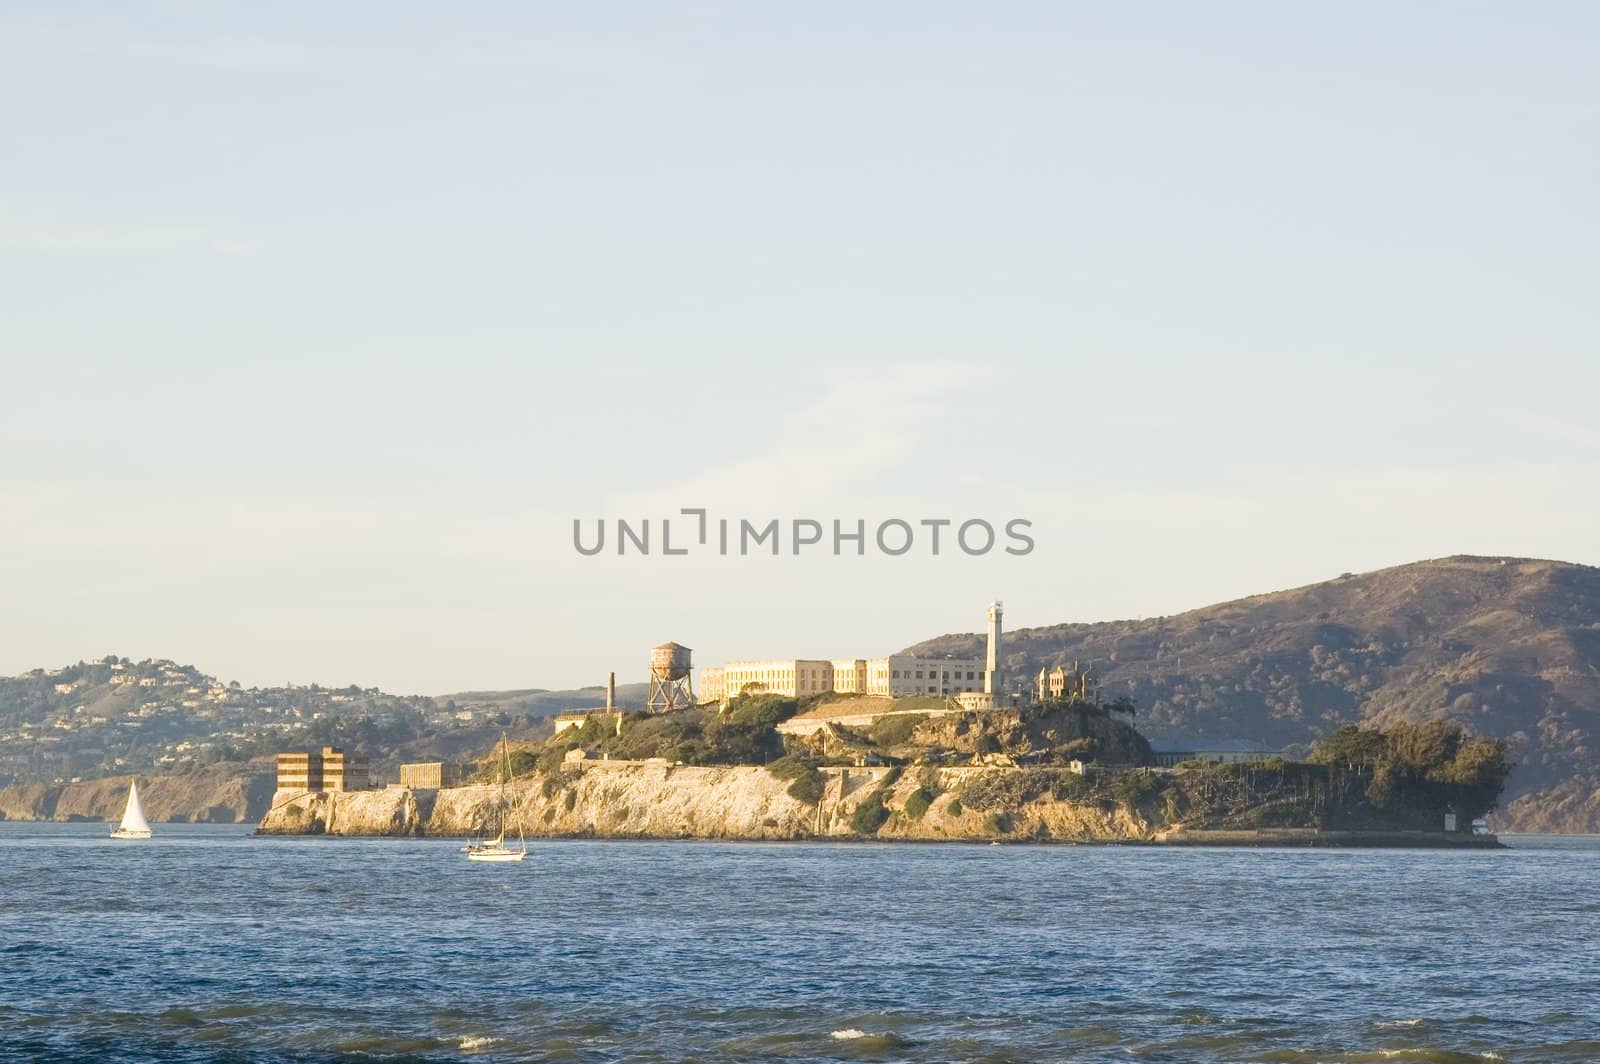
(611, 691)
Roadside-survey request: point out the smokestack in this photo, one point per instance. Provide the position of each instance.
(993, 682)
(611, 691)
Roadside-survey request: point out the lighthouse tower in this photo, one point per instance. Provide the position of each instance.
(993, 680)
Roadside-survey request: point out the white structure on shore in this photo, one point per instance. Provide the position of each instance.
(966, 679)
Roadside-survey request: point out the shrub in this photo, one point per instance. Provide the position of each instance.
(791, 766)
(997, 823)
(1131, 787)
(572, 800)
(869, 816)
(1001, 790)
(762, 711)
(555, 781)
(895, 730)
(1071, 787)
(808, 788)
(955, 808)
(551, 757)
(808, 783)
(917, 803)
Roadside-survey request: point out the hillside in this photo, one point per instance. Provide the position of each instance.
(114, 715)
(1506, 646)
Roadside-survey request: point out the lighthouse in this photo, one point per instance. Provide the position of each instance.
(993, 680)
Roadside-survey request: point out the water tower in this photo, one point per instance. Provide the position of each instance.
(670, 685)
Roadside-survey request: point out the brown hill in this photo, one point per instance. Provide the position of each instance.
(1507, 646)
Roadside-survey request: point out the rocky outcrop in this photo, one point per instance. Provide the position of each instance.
(613, 799)
(200, 797)
(28, 801)
(392, 811)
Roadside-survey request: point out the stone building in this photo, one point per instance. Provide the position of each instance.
(1063, 684)
(895, 676)
(331, 769)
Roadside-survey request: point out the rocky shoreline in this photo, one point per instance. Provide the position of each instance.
(634, 800)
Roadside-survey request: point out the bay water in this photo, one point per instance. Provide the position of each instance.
(207, 943)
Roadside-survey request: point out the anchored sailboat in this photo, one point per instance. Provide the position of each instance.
(496, 849)
(134, 825)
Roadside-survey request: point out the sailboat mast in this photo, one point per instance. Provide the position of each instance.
(505, 771)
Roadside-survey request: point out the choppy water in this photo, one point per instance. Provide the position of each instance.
(207, 944)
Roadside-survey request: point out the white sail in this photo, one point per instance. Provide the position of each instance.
(133, 825)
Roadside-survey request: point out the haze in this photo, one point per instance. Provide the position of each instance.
(322, 324)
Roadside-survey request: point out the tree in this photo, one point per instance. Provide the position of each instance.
(1351, 747)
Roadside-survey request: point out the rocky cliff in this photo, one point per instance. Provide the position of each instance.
(633, 800)
(199, 797)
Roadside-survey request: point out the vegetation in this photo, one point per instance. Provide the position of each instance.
(870, 815)
(998, 823)
(1008, 790)
(896, 730)
(1422, 769)
(556, 782)
(807, 785)
(918, 802)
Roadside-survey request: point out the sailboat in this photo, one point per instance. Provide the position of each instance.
(134, 825)
(496, 849)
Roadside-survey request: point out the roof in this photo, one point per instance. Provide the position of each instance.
(671, 646)
(1216, 746)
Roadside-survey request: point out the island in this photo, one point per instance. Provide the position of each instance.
(1071, 769)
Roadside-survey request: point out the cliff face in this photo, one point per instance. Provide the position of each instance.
(394, 811)
(198, 798)
(634, 800)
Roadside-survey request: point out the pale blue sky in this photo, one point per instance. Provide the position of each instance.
(322, 322)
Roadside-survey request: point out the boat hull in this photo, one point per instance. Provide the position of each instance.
(496, 855)
(123, 833)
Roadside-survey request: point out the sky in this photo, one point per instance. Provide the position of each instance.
(321, 324)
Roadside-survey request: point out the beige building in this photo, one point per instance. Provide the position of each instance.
(1063, 684)
(330, 770)
(893, 677)
(905, 674)
(431, 775)
(711, 685)
(794, 677)
(850, 676)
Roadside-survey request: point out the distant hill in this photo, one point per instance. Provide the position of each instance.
(538, 702)
(1507, 646)
(114, 715)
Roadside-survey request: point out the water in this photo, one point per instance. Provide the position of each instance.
(207, 944)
